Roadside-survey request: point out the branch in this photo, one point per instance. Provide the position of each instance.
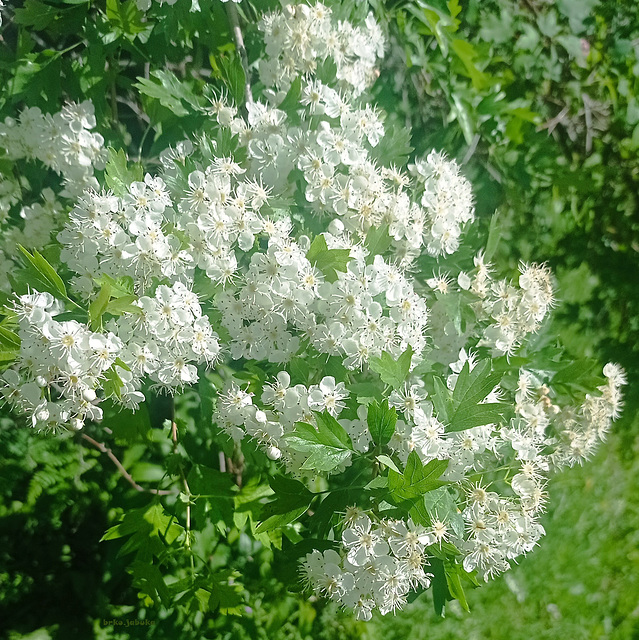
(187, 489)
(125, 474)
(234, 19)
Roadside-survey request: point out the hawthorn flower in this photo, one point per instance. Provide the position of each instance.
(328, 396)
(362, 543)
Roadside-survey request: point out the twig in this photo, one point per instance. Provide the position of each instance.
(588, 117)
(125, 474)
(471, 149)
(187, 490)
(234, 19)
(553, 122)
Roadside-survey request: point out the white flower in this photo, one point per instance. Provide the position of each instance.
(327, 396)
(362, 543)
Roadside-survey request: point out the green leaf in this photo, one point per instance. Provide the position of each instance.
(440, 505)
(471, 389)
(149, 580)
(495, 231)
(98, 307)
(47, 278)
(328, 261)
(119, 286)
(393, 371)
(171, 92)
(377, 241)
(454, 8)
(228, 67)
(211, 483)
(150, 529)
(453, 581)
(478, 415)
(381, 422)
(417, 478)
(118, 175)
(463, 111)
(112, 383)
(291, 101)
(122, 305)
(292, 500)
(442, 400)
(35, 14)
(440, 585)
(9, 340)
(328, 446)
(395, 146)
(575, 372)
(385, 460)
(129, 427)
(226, 593)
(125, 17)
(473, 386)
(467, 54)
(217, 491)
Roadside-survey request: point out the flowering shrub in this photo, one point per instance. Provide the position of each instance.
(387, 407)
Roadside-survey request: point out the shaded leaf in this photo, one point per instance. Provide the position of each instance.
(417, 478)
(328, 261)
(47, 277)
(393, 371)
(328, 446)
(381, 422)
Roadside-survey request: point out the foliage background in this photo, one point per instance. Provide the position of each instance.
(540, 103)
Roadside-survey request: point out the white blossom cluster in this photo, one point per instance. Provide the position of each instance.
(498, 528)
(40, 221)
(330, 152)
(513, 311)
(573, 431)
(448, 200)
(167, 338)
(379, 563)
(367, 310)
(65, 370)
(63, 142)
(60, 365)
(282, 406)
(301, 37)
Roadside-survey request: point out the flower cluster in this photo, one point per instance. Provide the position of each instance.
(447, 199)
(64, 369)
(572, 431)
(62, 142)
(282, 405)
(166, 338)
(499, 528)
(328, 144)
(301, 38)
(379, 563)
(60, 367)
(514, 312)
